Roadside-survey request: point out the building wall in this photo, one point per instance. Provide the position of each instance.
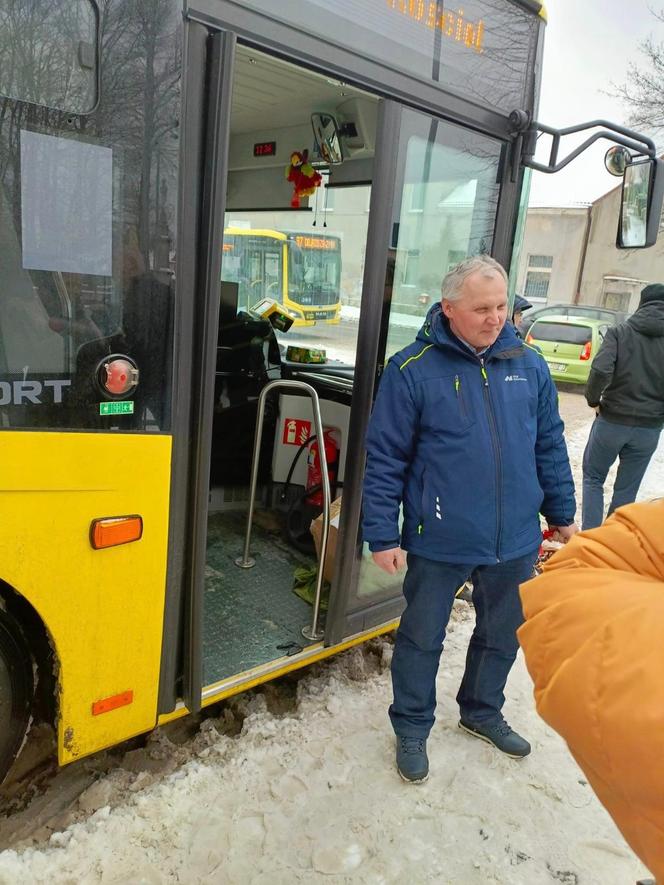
(559, 234)
(614, 277)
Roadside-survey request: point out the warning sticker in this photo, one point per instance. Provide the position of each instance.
(296, 431)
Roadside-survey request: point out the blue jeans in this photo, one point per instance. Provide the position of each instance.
(429, 588)
(634, 446)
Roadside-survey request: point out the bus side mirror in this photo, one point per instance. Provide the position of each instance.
(641, 204)
(328, 138)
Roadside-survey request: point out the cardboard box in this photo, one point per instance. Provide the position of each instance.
(333, 534)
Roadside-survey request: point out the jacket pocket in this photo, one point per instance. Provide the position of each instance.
(448, 406)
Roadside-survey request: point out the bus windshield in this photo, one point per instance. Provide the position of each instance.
(314, 268)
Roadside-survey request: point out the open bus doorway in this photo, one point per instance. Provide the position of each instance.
(253, 617)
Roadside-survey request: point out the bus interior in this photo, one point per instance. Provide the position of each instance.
(307, 259)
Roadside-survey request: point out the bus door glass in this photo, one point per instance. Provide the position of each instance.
(302, 267)
(255, 262)
(444, 208)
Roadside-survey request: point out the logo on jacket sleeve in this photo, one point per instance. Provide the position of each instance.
(515, 378)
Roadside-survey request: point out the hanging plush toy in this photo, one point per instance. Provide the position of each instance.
(303, 176)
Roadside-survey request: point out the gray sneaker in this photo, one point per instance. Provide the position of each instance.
(412, 759)
(500, 735)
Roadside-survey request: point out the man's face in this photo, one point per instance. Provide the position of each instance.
(480, 313)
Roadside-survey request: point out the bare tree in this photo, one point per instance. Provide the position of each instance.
(643, 92)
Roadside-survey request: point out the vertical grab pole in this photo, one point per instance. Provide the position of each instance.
(246, 561)
(312, 631)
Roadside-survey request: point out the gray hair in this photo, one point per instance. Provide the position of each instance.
(454, 280)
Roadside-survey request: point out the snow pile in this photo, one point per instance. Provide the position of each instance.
(311, 795)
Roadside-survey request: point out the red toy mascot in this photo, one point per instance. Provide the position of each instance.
(303, 176)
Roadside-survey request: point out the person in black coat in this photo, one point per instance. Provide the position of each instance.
(626, 389)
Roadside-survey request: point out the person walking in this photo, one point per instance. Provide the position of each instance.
(626, 388)
(466, 434)
(593, 645)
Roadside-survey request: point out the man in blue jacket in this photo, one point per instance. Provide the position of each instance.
(466, 435)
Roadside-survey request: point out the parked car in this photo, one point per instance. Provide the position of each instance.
(568, 344)
(586, 311)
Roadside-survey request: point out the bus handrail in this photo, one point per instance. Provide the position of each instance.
(312, 631)
(332, 381)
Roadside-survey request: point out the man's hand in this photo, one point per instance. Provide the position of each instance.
(390, 561)
(563, 533)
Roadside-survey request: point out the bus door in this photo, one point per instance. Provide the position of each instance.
(434, 202)
(255, 261)
(248, 621)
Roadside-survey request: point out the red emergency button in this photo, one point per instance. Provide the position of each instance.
(118, 375)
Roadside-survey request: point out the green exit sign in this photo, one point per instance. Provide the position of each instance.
(116, 408)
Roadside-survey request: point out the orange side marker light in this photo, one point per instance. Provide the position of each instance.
(112, 703)
(114, 530)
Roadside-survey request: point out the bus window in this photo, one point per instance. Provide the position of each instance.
(48, 53)
(450, 176)
(272, 272)
(321, 286)
(87, 219)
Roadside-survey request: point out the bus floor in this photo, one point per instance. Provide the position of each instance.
(252, 616)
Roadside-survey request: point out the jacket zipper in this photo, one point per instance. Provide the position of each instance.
(460, 397)
(496, 448)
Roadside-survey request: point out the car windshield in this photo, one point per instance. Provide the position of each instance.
(564, 333)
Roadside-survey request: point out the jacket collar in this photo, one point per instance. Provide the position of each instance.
(436, 330)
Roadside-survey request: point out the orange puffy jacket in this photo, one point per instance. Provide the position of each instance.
(594, 646)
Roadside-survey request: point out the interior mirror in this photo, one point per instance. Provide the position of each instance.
(617, 159)
(328, 140)
(641, 204)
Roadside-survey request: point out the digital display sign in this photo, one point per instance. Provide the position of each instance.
(265, 149)
(317, 243)
(482, 50)
(450, 24)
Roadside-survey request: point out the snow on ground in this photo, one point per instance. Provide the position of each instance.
(310, 794)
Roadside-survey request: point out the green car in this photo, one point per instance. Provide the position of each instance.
(568, 344)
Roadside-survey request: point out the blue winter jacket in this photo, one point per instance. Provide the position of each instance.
(471, 445)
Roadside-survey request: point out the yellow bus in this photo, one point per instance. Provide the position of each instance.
(300, 270)
(131, 136)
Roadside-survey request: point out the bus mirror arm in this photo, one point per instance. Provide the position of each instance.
(528, 133)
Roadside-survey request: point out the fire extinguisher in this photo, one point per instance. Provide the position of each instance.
(314, 490)
(309, 504)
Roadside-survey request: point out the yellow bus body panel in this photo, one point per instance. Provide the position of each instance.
(103, 608)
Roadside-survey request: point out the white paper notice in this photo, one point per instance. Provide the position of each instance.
(67, 205)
